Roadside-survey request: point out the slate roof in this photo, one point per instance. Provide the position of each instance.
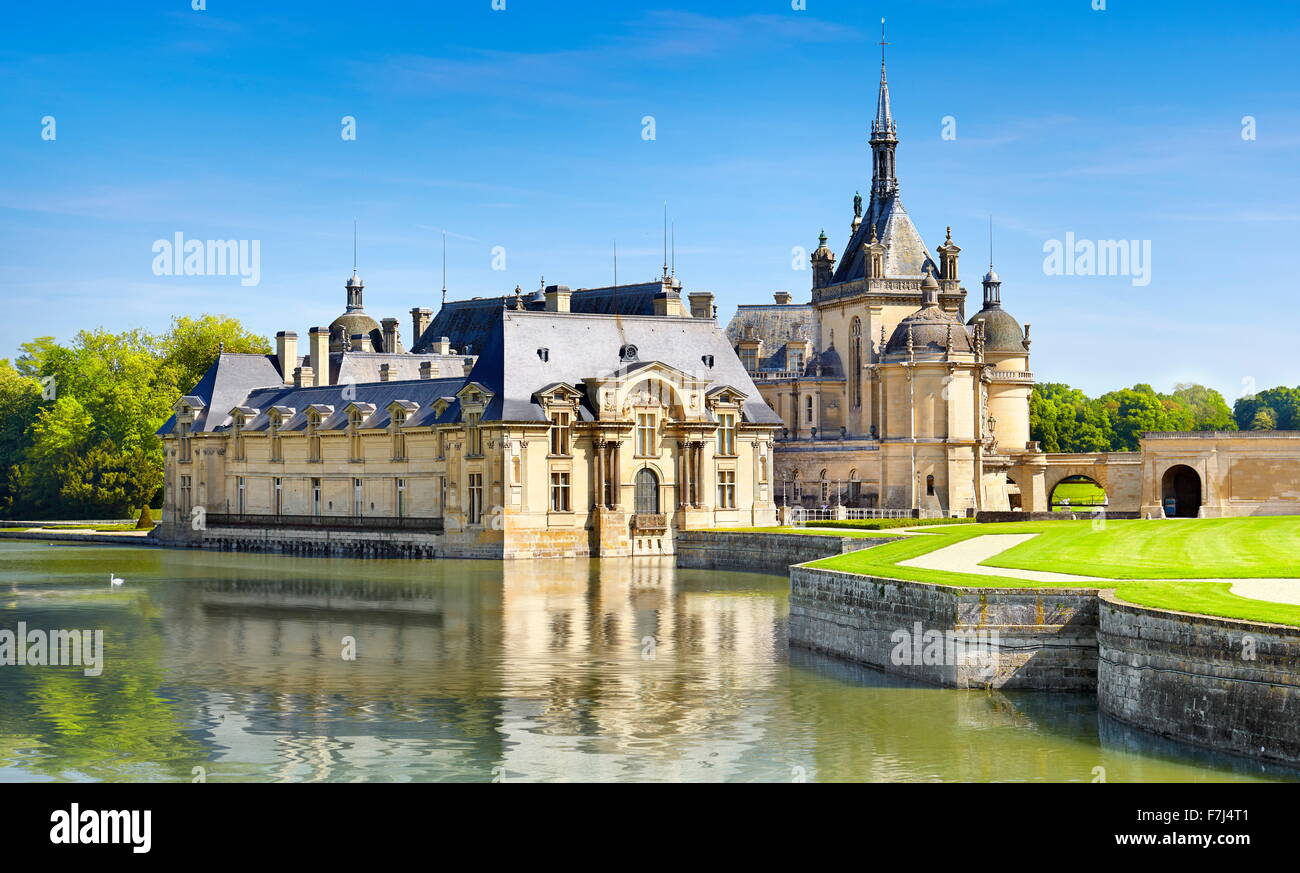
(378, 395)
(468, 323)
(580, 346)
(905, 253)
(774, 324)
(225, 385)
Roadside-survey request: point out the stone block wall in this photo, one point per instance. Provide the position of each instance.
(1046, 639)
(1214, 682)
(761, 552)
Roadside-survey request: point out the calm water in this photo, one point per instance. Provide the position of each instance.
(476, 670)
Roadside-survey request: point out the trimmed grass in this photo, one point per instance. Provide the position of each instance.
(1235, 548)
(1079, 494)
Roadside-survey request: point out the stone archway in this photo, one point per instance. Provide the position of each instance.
(1180, 492)
(1077, 491)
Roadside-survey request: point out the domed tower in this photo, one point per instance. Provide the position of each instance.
(355, 330)
(930, 379)
(1006, 348)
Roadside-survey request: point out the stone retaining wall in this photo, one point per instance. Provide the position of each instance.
(1191, 677)
(1046, 638)
(761, 552)
(995, 517)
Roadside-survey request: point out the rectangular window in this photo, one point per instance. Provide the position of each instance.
(237, 443)
(726, 433)
(315, 497)
(239, 488)
(560, 424)
(399, 438)
(808, 408)
(356, 497)
(185, 452)
(354, 437)
(726, 489)
(401, 498)
(749, 357)
(473, 433)
(279, 498)
(475, 498)
(186, 495)
(560, 492)
(645, 435)
(276, 450)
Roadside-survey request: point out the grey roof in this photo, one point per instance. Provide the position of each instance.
(225, 385)
(905, 253)
(930, 329)
(469, 323)
(582, 346)
(1002, 333)
(364, 366)
(774, 324)
(373, 398)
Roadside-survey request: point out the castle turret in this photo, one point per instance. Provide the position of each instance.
(823, 263)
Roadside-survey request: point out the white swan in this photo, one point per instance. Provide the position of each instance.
(113, 580)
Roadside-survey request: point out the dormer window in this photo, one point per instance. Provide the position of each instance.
(355, 451)
(399, 438)
(647, 443)
(183, 438)
(726, 433)
(273, 431)
(237, 438)
(561, 424)
(474, 433)
(313, 436)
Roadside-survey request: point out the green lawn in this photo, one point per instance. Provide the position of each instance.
(1125, 550)
(1083, 494)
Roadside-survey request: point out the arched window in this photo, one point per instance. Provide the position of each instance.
(647, 492)
(929, 486)
(826, 487)
(855, 362)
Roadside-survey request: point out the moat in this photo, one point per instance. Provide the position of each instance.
(228, 666)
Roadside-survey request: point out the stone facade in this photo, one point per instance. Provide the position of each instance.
(761, 552)
(889, 397)
(1218, 474)
(572, 435)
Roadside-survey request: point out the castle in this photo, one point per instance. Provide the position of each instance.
(888, 395)
(603, 421)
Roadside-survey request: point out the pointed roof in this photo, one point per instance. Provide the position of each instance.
(905, 253)
(883, 126)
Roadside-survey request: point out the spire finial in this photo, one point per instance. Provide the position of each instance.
(665, 239)
(354, 245)
(883, 43)
(949, 236)
(444, 266)
(990, 243)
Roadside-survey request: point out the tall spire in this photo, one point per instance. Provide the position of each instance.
(354, 284)
(884, 135)
(992, 281)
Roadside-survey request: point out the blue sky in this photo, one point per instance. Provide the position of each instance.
(522, 129)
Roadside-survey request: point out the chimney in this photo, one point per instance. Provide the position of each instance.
(782, 297)
(318, 345)
(668, 300)
(390, 335)
(441, 347)
(286, 353)
(701, 304)
(557, 298)
(385, 372)
(426, 369)
(419, 323)
(303, 377)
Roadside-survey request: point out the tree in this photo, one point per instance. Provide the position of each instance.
(1265, 419)
(1283, 402)
(192, 344)
(1209, 410)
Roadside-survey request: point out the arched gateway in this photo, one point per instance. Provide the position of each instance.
(1180, 492)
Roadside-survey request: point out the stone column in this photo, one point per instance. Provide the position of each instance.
(598, 447)
(615, 477)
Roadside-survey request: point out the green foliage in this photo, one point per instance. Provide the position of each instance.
(1280, 408)
(1064, 419)
(1265, 419)
(77, 421)
(146, 520)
